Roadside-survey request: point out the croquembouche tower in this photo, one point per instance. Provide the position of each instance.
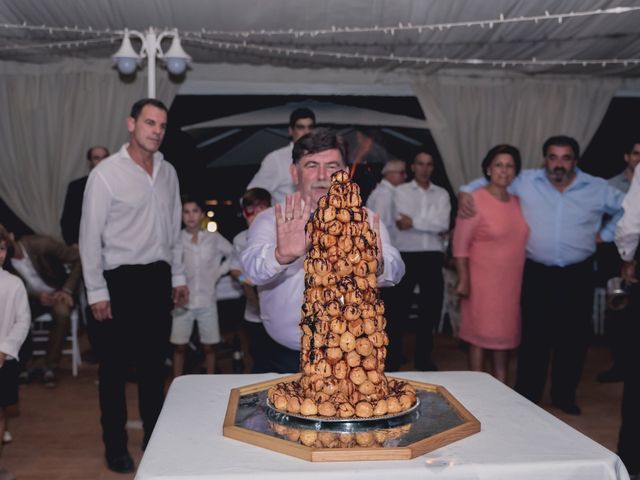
(343, 347)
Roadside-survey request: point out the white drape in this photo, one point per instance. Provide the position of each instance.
(53, 113)
(468, 115)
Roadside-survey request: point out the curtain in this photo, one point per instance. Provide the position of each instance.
(468, 115)
(52, 115)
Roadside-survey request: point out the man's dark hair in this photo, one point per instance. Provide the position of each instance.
(630, 146)
(562, 141)
(423, 150)
(299, 113)
(500, 149)
(93, 148)
(255, 196)
(319, 140)
(193, 199)
(140, 104)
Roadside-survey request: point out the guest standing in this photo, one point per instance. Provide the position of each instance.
(274, 174)
(563, 207)
(131, 258)
(422, 210)
(72, 211)
(489, 249)
(627, 236)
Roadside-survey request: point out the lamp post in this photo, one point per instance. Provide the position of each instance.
(127, 60)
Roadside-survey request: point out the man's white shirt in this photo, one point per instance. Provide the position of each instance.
(129, 218)
(382, 201)
(429, 209)
(628, 228)
(274, 175)
(281, 287)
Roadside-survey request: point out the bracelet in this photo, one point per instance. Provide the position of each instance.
(242, 278)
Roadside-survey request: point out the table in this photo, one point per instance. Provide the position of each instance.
(518, 440)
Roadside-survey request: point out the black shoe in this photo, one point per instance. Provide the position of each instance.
(568, 408)
(122, 463)
(610, 376)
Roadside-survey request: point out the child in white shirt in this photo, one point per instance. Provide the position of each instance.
(15, 319)
(205, 257)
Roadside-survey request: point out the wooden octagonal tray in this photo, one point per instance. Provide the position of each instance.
(438, 421)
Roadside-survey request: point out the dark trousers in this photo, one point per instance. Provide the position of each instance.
(281, 359)
(396, 325)
(557, 305)
(425, 270)
(137, 336)
(260, 346)
(628, 439)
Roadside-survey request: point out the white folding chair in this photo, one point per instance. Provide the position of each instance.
(40, 337)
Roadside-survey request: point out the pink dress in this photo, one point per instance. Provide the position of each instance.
(494, 241)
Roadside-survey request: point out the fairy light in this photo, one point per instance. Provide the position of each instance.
(412, 60)
(400, 27)
(61, 44)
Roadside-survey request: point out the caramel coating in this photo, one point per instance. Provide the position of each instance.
(327, 409)
(364, 410)
(381, 408)
(347, 342)
(357, 375)
(346, 410)
(308, 407)
(364, 346)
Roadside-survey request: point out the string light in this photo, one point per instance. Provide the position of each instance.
(51, 29)
(413, 60)
(391, 30)
(61, 44)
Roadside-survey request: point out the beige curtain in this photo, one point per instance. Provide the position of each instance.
(470, 114)
(52, 114)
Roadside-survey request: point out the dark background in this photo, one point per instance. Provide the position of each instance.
(603, 157)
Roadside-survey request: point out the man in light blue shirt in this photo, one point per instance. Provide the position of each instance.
(564, 207)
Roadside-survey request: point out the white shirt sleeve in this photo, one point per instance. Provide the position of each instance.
(628, 228)
(258, 259)
(382, 202)
(178, 273)
(95, 208)
(268, 176)
(393, 264)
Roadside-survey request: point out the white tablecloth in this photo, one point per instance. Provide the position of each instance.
(518, 440)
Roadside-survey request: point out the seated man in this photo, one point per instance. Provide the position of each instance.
(40, 261)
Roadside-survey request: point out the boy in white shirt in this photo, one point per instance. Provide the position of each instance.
(205, 257)
(15, 320)
(253, 202)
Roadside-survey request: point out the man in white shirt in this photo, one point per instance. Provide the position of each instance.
(274, 174)
(627, 237)
(132, 262)
(382, 202)
(422, 218)
(278, 245)
(609, 263)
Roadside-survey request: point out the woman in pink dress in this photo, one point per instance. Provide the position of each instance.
(490, 253)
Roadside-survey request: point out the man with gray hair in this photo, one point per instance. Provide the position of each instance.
(381, 201)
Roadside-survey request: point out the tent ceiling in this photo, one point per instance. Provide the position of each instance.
(606, 37)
